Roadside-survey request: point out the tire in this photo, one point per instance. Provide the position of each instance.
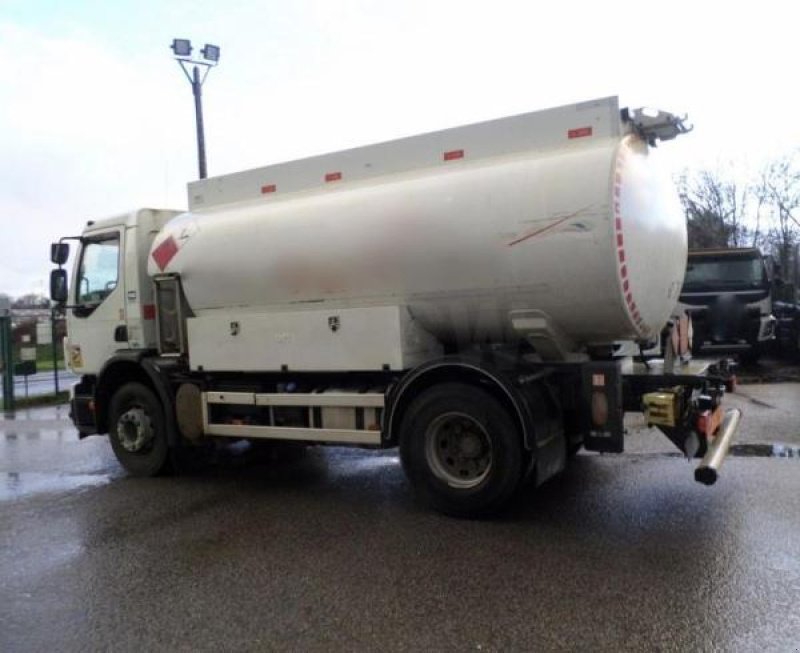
(573, 449)
(137, 430)
(461, 450)
(751, 356)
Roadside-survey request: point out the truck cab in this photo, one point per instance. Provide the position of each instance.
(110, 301)
(727, 293)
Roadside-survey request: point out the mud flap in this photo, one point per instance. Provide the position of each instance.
(81, 408)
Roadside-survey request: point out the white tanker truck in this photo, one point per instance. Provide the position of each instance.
(460, 294)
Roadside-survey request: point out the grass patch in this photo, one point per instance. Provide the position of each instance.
(47, 366)
(44, 356)
(44, 400)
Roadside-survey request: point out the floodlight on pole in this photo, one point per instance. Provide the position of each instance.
(182, 48)
(210, 53)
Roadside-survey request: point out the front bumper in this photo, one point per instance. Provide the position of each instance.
(81, 407)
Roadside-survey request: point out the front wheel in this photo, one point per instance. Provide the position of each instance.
(137, 430)
(461, 450)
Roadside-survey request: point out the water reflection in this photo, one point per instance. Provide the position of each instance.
(15, 485)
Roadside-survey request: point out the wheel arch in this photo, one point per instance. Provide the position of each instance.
(128, 367)
(471, 372)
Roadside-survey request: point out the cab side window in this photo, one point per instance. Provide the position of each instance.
(98, 273)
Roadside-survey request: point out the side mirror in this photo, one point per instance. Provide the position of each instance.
(58, 285)
(59, 253)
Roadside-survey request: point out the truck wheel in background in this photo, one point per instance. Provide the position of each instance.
(751, 356)
(137, 430)
(795, 349)
(461, 450)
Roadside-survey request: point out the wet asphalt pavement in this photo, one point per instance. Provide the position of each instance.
(330, 551)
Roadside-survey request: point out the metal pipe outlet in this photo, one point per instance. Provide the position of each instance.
(708, 469)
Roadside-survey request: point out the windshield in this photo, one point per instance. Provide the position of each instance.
(725, 273)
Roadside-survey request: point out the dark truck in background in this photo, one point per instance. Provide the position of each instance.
(787, 330)
(728, 295)
(786, 305)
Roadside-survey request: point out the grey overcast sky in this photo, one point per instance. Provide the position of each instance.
(96, 118)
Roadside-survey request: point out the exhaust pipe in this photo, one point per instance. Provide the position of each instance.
(708, 469)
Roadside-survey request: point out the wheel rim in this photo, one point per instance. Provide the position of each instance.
(135, 430)
(458, 450)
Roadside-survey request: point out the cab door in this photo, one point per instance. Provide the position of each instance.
(97, 315)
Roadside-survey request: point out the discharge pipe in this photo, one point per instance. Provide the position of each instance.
(708, 469)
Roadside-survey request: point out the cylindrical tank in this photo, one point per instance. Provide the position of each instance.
(593, 236)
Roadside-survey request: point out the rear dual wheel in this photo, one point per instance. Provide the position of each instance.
(461, 450)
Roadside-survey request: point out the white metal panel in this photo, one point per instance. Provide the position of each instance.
(339, 399)
(139, 287)
(363, 339)
(340, 436)
(237, 398)
(650, 237)
(539, 130)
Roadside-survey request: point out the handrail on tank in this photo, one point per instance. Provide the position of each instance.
(653, 125)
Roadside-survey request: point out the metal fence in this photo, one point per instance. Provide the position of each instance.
(32, 357)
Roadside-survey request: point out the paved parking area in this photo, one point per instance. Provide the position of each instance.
(330, 551)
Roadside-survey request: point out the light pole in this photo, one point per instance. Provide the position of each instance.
(182, 48)
(6, 355)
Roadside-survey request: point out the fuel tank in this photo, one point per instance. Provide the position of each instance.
(562, 212)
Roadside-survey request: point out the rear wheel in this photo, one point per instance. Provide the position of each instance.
(137, 430)
(461, 450)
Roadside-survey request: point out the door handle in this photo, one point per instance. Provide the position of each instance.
(121, 333)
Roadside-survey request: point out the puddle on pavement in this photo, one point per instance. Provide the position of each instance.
(15, 485)
(58, 412)
(774, 450)
(749, 450)
(40, 434)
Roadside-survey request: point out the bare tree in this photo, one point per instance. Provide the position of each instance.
(780, 187)
(761, 201)
(724, 210)
(716, 205)
(31, 300)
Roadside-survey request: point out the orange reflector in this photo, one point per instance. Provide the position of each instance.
(580, 132)
(452, 155)
(333, 176)
(269, 188)
(708, 422)
(599, 409)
